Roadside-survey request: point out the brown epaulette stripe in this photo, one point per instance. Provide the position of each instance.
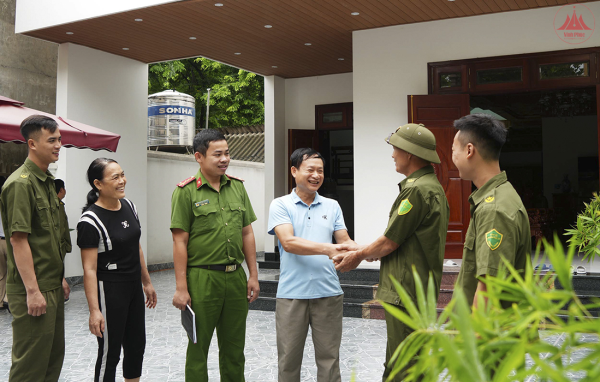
(235, 177)
(185, 182)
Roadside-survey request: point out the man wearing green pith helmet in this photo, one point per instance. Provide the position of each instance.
(416, 231)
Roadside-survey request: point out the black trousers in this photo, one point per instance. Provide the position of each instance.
(122, 305)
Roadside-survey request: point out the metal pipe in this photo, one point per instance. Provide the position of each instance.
(207, 106)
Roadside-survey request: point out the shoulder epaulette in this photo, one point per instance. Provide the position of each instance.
(186, 182)
(235, 177)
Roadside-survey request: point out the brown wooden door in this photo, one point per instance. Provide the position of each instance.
(598, 117)
(298, 139)
(437, 113)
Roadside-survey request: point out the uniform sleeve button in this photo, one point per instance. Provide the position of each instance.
(225, 223)
(222, 209)
(228, 240)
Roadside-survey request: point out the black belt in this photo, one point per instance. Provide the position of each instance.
(2, 238)
(223, 268)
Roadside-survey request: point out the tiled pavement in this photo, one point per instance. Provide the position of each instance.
(362, 350)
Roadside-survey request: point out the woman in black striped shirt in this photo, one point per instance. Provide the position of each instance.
(115, 272)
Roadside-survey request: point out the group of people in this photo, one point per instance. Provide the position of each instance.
(37, 237)
(211, 226)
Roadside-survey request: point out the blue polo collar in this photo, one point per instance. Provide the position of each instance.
(297, 199)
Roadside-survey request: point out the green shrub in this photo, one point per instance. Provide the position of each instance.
(491, 343)
(585, 236)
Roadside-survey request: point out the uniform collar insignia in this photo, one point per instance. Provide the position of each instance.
(234, 177)
(479, 195)
(186, 182)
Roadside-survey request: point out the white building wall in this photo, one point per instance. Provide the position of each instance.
(391, 63)
(301, 97)
(303, 94)
(108, 92)
(275, 146)
(36, 14)
(165, 171)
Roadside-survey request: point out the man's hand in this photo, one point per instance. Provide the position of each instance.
(347, 261)
(253, 289)
(66, 288)
(36, 304)
(352, 246)
(150, 296)
(96, 323)
(332, 250)
(181, 299)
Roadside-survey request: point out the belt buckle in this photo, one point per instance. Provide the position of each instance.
(230, 268)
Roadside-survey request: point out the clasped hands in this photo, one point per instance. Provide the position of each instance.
(347, 257)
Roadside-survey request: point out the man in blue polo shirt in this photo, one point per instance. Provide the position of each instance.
(309, 291)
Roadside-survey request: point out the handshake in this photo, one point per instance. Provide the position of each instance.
(347, 256)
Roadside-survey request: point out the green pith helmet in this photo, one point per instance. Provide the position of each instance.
(416, 140)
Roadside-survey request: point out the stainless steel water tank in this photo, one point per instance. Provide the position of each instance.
(171, 119)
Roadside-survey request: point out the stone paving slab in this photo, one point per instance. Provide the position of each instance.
(362, 350)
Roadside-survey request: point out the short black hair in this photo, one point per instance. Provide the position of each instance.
(204, 137)
(485, 132)
(35, 123)
(59, 184)
(302, 154)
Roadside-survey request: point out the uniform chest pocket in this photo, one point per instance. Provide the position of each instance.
(43, 210)
(205, 218)
(236, 214)
(469, 261)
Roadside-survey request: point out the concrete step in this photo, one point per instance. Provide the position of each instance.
(268, 264)
(357, 308)
(583, 283)
(360, 292)
(352, 290)
(272, 256)
(360, 274)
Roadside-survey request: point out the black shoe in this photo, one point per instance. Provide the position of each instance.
(5, 306)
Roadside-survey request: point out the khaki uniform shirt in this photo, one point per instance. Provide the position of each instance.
(213, 219)
(65, 232)
(28, 203)
(499, 228)
(419, 225)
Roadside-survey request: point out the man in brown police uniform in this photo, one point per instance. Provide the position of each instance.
(499, 226)
(416, 231)
(30, 216)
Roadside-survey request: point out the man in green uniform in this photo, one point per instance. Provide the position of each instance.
(211, 218)
(416, 231)
(499, 226)
(65, 232)
(30, 217)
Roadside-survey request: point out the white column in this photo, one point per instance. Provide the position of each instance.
(108, 92)
(275, 146)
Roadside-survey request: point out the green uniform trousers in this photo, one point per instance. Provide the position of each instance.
(397, 331)
(219, 300)
(38, 342)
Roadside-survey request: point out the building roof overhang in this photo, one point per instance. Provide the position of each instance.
(305, 37)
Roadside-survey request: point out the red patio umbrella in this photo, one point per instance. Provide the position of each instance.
(74, 134)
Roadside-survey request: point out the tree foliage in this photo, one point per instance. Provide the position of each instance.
(492, 343)
(236, 98)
